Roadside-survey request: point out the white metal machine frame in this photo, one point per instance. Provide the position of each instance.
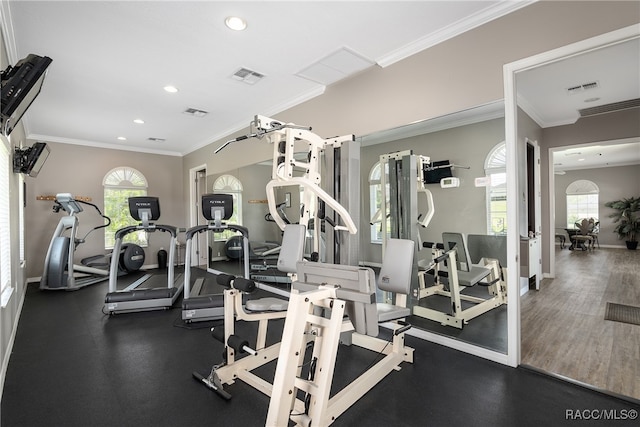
(316, 309)
(289, 171)
(458, 316)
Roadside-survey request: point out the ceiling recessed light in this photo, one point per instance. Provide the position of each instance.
(138, 121)
(122, 138)
(171, 89)
(235, 23)
(581, 160)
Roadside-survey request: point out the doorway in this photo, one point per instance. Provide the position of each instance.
(511, 124)
(200, 245)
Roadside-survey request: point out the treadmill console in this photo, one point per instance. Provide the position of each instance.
(144, 208)
(212, 203)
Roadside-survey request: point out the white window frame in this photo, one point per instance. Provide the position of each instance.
(375, 190)
(585, 193)
(5, 221)
(495, 167)
(124, 178)
(229, 184)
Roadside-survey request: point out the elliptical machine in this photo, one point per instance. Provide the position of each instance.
(60, 272)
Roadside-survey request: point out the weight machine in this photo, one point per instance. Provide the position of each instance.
(452, 260)
(329, 176)
(314, 327)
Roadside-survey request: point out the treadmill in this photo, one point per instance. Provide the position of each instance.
(135, 297)
(197, 305)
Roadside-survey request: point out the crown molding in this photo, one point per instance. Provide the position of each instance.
(450, 31)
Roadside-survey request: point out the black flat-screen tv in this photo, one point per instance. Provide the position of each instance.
(21, 84)
(433, 172)
(30, 160)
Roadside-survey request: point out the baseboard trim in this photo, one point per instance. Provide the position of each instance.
(580, 384)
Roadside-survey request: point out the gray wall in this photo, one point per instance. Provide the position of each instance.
(253, 179)
(79, 170)
(615, 183)
(604, 127)
(460, 73)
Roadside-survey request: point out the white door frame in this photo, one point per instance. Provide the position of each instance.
(511, 134)
(194, 204)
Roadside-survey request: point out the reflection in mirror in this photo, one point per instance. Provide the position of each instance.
(247, 186)
(466, 140)
(468, 205)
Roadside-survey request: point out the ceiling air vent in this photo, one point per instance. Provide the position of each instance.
(156, 139)
(581, 88)
(247, 76)
(195, 112)
(609, 108)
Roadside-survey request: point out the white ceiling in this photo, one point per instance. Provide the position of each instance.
(612, 153)
(543, 91)
(543, 94)
(111, 60)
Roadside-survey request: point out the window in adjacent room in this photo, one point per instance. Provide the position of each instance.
(229, 184)
(5, 223)
(496, 169)
(582, 201)
(120, 184)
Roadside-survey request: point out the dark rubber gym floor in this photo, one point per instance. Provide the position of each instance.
(74, 366)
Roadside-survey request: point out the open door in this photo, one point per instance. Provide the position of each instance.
(530, 218)
(534, 213)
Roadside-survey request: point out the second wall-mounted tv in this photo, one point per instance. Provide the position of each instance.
(433, 172)
(30, 160)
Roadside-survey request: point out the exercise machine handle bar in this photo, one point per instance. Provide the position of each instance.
(261, 131)
(67, 203)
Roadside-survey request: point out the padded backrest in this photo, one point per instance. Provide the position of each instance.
(456, 240)
(397, 265)
(485, 246)
(292, 249)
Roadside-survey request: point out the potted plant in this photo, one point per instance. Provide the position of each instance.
(627, 219)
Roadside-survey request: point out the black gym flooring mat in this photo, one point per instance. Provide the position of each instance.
(73, 366)
(622, 313)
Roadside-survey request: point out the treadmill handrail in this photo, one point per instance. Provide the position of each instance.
(150, 228)
(188, 242)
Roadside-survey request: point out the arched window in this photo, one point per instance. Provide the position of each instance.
(229, 184)
(582, 201)
(495, 167)
(120, 184)
(375, 202)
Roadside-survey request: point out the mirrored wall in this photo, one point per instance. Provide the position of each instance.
(473, 203)
(468, 140)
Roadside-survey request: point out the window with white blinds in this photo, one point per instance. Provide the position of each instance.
(5, 235)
